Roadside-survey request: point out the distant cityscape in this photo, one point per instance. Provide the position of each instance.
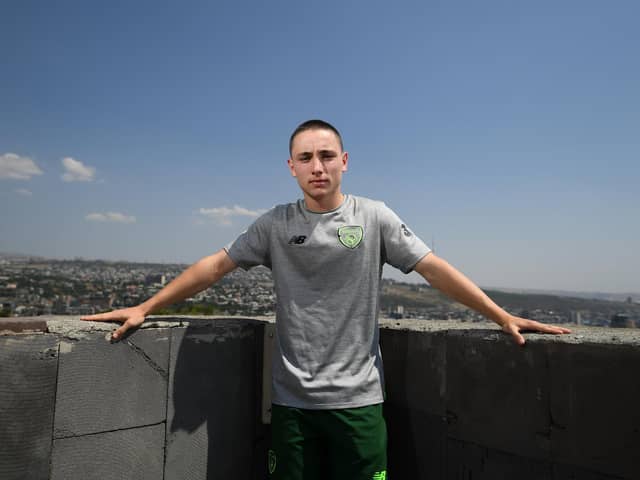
(32, 286)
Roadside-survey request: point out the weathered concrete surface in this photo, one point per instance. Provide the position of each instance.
(579, 334)
(136, 453)
(71, 327)
(415, 370)
(214, 402)
(28, 366)
(561, 407)
(496, 391)
(565, 472)
(463, 402)
(417, 443)
(415, 406)
(470, 461)
(104, 386)
(595, 407)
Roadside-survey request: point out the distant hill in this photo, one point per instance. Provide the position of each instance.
(614, 297)
(423, 296)
(531, 301)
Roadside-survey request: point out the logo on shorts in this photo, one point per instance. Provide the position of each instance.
(350, 236)
(272, 461)
(381, 475)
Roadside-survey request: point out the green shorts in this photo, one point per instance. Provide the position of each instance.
(349, 444)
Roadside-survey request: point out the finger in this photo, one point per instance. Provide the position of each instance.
(118, 333)
(101, 317)
(517, 336)
(541, 327)
(554, 329)
(514, 331)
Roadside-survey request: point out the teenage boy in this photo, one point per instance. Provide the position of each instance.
(326, 253)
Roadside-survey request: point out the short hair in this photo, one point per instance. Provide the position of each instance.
(314, 125)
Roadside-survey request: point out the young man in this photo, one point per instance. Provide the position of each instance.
(326, 253)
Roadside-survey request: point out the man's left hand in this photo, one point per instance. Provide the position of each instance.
(515, 325)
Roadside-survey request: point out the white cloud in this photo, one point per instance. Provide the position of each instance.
(113, 217)
(18, 168)
(76, 171)
(223, 215)
(24, 191)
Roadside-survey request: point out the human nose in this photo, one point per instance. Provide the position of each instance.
(316, 165)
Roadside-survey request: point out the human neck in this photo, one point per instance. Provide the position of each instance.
(324, 204)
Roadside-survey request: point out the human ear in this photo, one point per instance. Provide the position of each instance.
(291, 167)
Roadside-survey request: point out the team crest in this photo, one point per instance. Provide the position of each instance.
(350, 236)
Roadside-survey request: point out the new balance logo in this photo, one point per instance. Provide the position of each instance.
(297, 240)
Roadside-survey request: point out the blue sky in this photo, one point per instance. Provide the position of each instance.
(506, 133)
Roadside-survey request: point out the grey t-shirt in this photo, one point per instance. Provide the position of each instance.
(326, 269)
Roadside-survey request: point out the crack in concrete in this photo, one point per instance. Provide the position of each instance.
(163, 373)
(64, 433)
(73, 435)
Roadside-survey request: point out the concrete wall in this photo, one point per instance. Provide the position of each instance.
(467, 403)
(181, 399)
(174, 400)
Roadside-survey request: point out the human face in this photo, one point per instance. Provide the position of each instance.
(317, 162)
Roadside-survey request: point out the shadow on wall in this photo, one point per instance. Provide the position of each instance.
(215, 402)
(414, 407)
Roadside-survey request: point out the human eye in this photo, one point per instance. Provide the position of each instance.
(328, 155)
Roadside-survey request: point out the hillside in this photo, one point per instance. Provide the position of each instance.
(425, 297)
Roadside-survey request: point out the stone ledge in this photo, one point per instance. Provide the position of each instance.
(72, 326)
(490, 331)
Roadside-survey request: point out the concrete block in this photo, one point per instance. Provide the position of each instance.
(417, 444)
(28, 365)
(594, 407)
(415, 369)
(105, 386)
(154, 346)
(469, 461)
(497, 393)
(214, 403)
(136, 453)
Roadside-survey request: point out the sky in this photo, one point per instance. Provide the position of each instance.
(506, 134)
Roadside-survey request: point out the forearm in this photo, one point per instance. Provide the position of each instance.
(453, 283)
(194, 279)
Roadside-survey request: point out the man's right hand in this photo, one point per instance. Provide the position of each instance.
(194, 279)
(129, 317)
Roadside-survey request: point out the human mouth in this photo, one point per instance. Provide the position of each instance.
(319, 183)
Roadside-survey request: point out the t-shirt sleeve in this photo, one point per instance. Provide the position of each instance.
(401, 247)
(251, 248)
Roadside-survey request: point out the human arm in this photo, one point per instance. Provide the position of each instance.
(194, 279)
(454, 284)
